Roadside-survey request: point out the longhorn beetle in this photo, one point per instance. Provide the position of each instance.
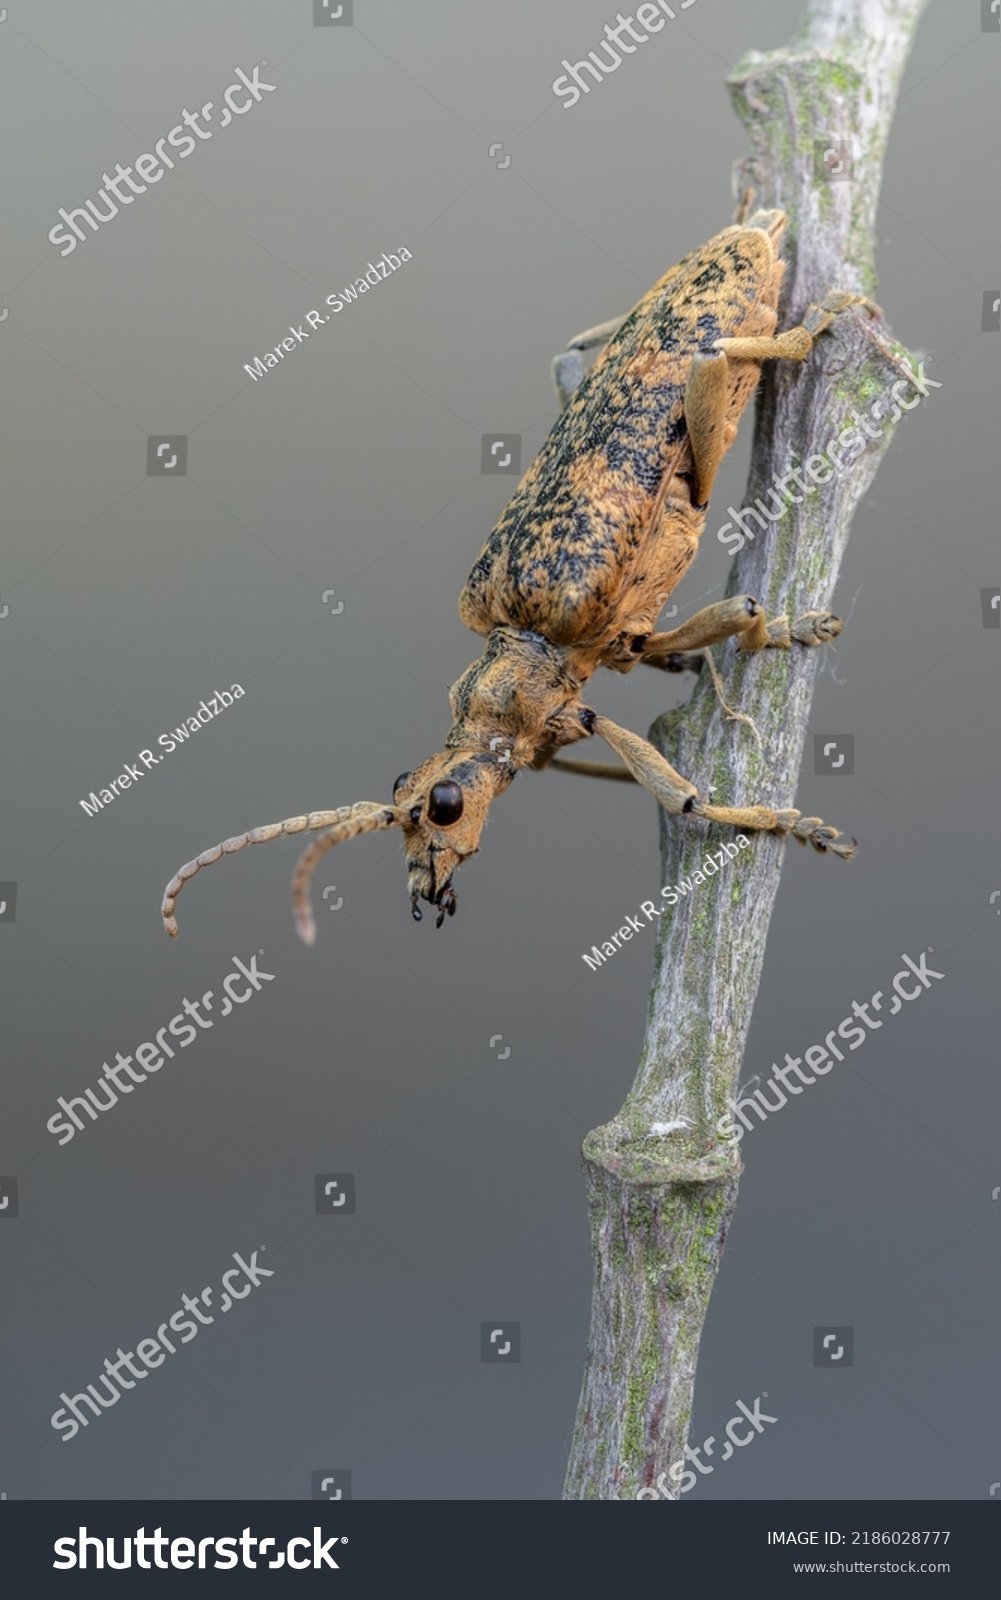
(600, 530)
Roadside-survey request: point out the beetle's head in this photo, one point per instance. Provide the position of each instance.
(441, 808)
(443, 805)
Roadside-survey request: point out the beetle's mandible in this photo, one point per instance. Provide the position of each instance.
(600, 530)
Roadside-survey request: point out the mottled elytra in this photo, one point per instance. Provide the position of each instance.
(599, 532)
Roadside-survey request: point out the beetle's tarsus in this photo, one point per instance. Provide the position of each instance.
(816, 627)
(817, 318)
(813, 830)
(811, 629)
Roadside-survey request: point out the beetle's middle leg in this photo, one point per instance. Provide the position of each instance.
(740, 615)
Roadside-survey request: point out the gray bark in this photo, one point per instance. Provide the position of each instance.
(661, 1203)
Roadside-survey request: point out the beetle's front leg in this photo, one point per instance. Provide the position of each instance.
(677, 795)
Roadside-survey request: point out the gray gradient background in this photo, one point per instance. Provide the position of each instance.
(355, 465)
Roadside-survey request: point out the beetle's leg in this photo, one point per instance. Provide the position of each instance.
(796, 343)
(547, 757)
(675, 661)
(817, 318)
(710, 434)
(744, 204)
(741, 614)
(812, 628)
(677, 795)
(591, 337)
(592, 769)
(569, 370)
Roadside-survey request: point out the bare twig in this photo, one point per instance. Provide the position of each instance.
(660, 1202)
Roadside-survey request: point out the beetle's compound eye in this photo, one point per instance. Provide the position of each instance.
(445, 804)
(401, 780)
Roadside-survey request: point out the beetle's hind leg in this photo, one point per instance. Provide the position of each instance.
(796, 343)
(678, 796)
(710, 433)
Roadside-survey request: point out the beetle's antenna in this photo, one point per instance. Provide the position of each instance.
(362, 818)
(348, 817)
